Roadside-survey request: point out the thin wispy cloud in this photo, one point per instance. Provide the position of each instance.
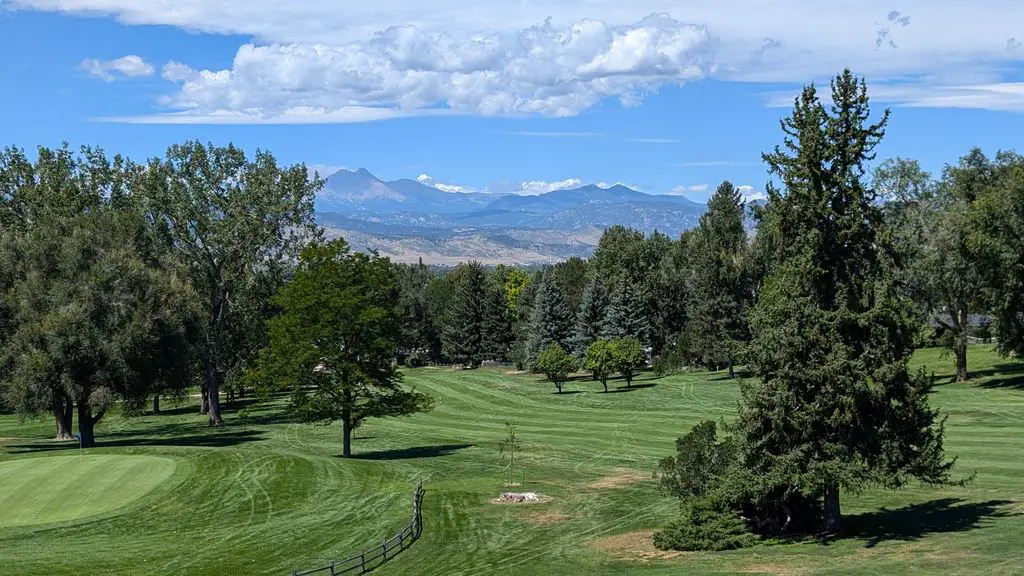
(130, 66)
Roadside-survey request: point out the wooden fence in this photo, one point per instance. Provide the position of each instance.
(367, 560)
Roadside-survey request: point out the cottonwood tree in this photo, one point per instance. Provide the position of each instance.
(998, 238)
(334, 342)
(835, 406)
(94, 320)
(238, 225)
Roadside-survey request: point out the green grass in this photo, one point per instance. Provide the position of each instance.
(65, 488)
(275, 496)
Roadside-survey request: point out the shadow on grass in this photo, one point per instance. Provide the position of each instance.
(212, 440)
(918, 520)
(567, 392)
(630, 388)
(1003, 376)
(410, 453)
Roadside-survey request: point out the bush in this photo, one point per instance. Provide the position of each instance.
(699, 464)
(705, 524)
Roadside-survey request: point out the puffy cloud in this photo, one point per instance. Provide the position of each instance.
(537, 187)
(543, 70)
(131, 66)
(750, 195)
(444, 187)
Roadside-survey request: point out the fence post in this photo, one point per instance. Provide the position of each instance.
(384, 553)
(400, 545)
(362, 561)
(332, 567)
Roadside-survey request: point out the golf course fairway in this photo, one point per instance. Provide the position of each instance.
(64, 488)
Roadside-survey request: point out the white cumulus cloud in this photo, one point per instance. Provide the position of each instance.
(130, 66)
(689, 190)
(750, 195)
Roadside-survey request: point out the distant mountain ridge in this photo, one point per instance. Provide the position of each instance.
(405, 219)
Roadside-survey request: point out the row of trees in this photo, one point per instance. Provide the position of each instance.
(121, 282)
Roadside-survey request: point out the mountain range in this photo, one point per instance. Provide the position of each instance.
(408, 220)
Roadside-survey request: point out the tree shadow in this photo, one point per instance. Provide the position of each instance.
(917, 520)
(631, 388)
(1004, 376)
(410, 453)
(213, 440)
(567, 392)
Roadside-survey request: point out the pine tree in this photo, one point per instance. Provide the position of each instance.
(550, 319)
(463, 335)
(716, 324)
(591, 317)
(498, 336)
(627, 314)
(835, 406)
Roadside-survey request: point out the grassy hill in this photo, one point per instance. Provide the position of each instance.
(272, 495)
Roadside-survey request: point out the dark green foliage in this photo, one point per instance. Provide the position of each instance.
(237, 224)
(705, 524)
(591, 318)
(550, 318)
(699, 464)
(716, 324)
(420, 334)
(571, 277)
(462, 335)
(834, 405)
(334, 342)
(498, 336)
(627, 314)
(997, 237)
(556, 365)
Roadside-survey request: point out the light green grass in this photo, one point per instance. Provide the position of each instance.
(64, 488)
(275, 496)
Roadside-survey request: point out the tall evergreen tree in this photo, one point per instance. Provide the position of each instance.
(835, 406)
(627, 314)
(463, 333)
(498, 335)
(716, 323)
(590, 319)
(550, 318)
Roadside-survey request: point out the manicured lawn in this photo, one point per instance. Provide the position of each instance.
(274, 496)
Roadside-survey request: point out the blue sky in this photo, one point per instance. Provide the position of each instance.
(522, 96)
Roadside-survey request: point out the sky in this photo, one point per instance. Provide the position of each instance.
(521, 96)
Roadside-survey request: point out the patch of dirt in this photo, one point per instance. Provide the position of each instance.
(619, 477)
(546, 518)
(636, 546)
(7, 440)
(516, 372)
(541, 499)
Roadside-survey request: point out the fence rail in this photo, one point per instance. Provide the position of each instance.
(367, 560)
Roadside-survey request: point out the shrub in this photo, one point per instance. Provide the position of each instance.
(705, 524)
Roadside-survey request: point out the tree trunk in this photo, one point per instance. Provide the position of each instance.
(629, 379)
(204, 406)
(86, 425)
(63, 412)
(833, 515)
(156, 403)
(212, 386)
(732, 371)
(346, 435)
(241, 391)
(594, 377)
(604, 382)
(961, 359)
